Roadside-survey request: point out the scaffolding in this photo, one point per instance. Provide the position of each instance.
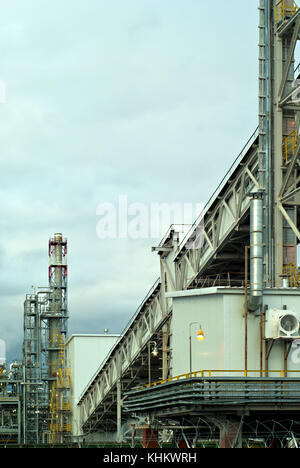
(59, 404)
(46, 377)
(35, 401)
(285, 9)
(10, 403)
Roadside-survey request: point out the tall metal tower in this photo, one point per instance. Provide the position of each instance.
(45, 373)
(57, 325)
(35, 388)
(58, 272)
(279, 143)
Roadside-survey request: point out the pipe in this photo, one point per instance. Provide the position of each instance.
(246, 309)
(119, 411)
(261, 340)
(246, 342)
(47, 292)
(256, 252)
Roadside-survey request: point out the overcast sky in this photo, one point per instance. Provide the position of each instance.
(150, 99)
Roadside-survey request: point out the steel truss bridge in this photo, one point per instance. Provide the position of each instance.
(226, 232)
(213, 252)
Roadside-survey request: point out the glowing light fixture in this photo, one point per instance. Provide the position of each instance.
(200, 335)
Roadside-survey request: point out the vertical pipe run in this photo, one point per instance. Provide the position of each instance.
(165, 354)
(261, 340)
(190, 345)
(265, 137)
(246, 309)
(119, 410)
(149, 365)
(256, 252)
(256, 249)
(246, 342)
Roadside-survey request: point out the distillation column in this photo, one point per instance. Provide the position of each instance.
(57, 371)
(58, 315)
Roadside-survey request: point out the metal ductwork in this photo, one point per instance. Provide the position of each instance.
(256, 252)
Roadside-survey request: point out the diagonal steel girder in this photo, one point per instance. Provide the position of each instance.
(289, 59)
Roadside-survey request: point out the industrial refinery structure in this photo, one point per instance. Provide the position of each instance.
(212, 353)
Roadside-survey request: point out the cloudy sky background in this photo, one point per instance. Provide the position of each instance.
(147, 98)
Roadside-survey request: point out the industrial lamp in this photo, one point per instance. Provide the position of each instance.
(154, 353)
(200, 334)
(200, 337)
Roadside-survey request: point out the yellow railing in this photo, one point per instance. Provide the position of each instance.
(63, 407)
(60, 385)
(58, 428)
(52, 413)
(285, 9)
(63, 379)
(62, 350)
(68, 382)
(292, 272)
(289, 145)
(225, 373)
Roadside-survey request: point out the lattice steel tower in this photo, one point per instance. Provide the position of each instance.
(279, 142)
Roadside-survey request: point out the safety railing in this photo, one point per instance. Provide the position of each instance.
(62, 350)
(207, 392)
(289, 145)
(58, 405)
(285, 9)
(292, 272)
(62, 428)
(63, 407)
(63, 379)
(225, 373)
(52, 412)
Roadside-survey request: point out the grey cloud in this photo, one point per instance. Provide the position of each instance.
(123, 97)
(149, 22)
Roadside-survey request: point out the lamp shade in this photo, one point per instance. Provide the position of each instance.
(200, 335)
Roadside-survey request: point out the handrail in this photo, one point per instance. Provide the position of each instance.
(289, 145)
(284, 8)
(209, 373)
